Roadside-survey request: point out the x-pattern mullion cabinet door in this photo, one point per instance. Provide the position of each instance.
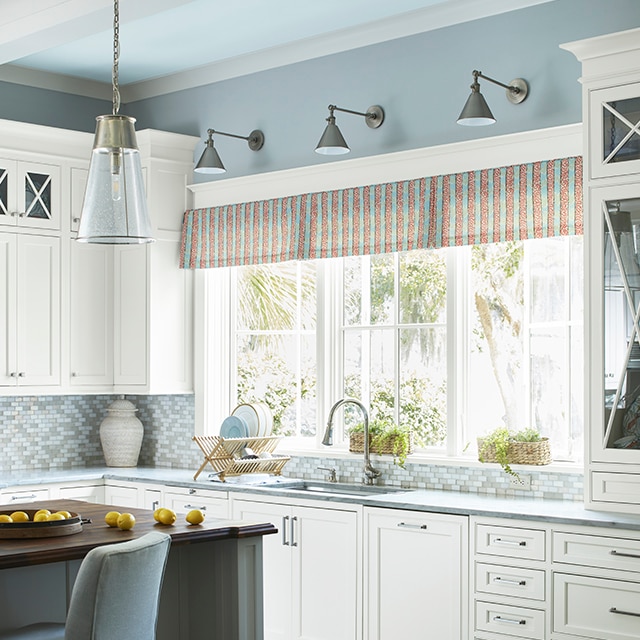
(29, 194)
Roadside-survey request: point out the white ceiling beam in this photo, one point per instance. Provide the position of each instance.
(32, 26)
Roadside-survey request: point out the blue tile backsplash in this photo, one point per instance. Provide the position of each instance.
(62, 432)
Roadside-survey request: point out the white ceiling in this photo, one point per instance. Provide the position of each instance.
(168, 45)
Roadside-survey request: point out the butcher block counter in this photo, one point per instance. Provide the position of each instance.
(213, 581)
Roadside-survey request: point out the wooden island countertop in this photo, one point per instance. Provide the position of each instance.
(31, 551)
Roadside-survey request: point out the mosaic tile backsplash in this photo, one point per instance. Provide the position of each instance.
(62, 432)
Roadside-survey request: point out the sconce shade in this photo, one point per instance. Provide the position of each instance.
(332, 142)
(476, 111)
(210, 161)
(114, 210)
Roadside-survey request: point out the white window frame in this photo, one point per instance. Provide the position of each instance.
(212, 373)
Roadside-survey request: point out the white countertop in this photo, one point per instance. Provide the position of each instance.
(555, 511)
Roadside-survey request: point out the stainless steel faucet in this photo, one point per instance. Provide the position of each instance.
(370, 474)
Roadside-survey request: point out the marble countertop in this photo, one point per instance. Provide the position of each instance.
(457, 503)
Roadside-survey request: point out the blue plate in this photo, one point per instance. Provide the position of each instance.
(234, 427)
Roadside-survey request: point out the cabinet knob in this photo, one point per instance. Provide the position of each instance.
(74, 374)
(75, 220)
(21, 374)
(22, 214)
(13, 374)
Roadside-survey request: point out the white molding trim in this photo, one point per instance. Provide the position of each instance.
(530, 146)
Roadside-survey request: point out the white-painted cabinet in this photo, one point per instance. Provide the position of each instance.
(312, 570)
(23, 494)
(29, 194)
(415, 575)
(214, 504)
(611, 114)
(30, 320)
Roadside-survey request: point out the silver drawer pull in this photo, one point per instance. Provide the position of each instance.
(517, 583)
(193, 506)
(624, 613)
(32, 496)
(513, 543)
(285, 523)
(622, 554)
(508, 620)
(408, 525)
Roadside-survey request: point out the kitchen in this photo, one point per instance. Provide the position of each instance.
(167, 408)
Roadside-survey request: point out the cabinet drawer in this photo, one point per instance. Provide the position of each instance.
(519, 622)
(596, 607)
(26, 495)
(616, 487)
(510, 581)
(212, 506)
(596, 551)
(510, 542)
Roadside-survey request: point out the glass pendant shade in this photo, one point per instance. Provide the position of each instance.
(476, 111)
(210, 161)
(115, 205)
(622, 234)
(332, 142)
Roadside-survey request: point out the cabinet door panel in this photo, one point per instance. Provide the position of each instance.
(38, 310)
(416, 568)
(7, 309)
(325, 565)
(91, 324)
(276, 550)
(39, 195)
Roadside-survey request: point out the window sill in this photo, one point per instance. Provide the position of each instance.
(424, 458)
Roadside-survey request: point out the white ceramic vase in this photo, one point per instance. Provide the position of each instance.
(121, 434)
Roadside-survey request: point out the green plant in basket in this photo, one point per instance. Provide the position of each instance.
(387, 435)
(498, 443)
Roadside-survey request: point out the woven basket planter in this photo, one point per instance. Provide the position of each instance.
(356, 444)
(536, 453)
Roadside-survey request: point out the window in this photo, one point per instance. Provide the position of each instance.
(453, 342)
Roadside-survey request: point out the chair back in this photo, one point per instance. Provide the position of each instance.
(117, 590)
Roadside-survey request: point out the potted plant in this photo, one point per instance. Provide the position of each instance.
(507, 447)
(385, 437)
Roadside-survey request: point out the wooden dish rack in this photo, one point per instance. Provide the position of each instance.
(223, 454)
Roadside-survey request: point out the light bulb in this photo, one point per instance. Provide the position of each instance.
(116, 175)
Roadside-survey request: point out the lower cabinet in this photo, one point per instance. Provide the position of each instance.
(312, 570)
(18, 495)
(415, 575)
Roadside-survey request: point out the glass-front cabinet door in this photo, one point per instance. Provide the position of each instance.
(615, 341)
(29, 194)
(615, 134)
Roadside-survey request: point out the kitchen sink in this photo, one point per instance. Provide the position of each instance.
(334, 488)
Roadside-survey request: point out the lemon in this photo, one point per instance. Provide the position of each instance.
(55, 516)
(166, 516)
(126, 521)
(66, 514)
(41, 516)
(41, 511)
(19, 516)
(112, 518)
(195, 516)
(5, 517)
(156, 513)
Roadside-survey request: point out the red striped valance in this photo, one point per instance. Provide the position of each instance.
(518, 202)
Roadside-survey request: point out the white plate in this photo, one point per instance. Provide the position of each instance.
(250, 416)
(266, 419)
(234, 427)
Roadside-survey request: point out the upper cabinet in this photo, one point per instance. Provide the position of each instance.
(29, 194)
(611, 110)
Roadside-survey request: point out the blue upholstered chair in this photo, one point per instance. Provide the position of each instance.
(115, 595)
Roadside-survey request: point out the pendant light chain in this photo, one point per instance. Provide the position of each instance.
(116, 57)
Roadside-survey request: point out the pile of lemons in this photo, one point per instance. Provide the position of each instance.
(42, 515)
(126, 521)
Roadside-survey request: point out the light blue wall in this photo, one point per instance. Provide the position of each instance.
(50, 108)
(422, 82)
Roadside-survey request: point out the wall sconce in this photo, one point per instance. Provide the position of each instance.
(476, 111)
(210, 160)
(114, 210)
(332, 143)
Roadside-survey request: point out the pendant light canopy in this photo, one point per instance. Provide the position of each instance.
(476, 111)
(114, 210)
(332, 142)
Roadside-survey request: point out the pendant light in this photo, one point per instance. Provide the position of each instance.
(114, 210)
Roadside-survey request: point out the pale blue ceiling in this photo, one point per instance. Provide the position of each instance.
(201, 32)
